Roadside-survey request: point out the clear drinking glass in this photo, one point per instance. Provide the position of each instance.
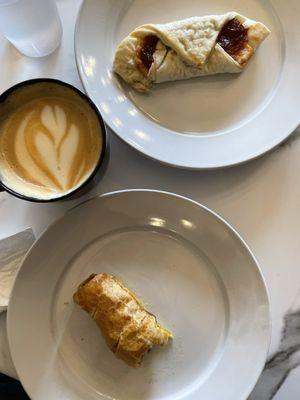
(32, 26)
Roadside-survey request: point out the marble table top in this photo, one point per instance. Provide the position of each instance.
(260, 199)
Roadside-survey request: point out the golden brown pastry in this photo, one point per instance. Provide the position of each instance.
(129, 330)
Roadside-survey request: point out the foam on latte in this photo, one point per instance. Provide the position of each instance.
(50, 140)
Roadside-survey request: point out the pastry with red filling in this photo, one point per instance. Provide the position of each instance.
(193, 47)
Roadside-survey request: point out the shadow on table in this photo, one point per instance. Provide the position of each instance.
(11, 389)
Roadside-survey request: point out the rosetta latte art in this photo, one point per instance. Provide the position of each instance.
(48, 152)
(49, 146)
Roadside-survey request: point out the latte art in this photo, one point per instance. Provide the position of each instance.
(48, 152)
(50, 145)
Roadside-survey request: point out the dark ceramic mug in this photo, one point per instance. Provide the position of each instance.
(103, 159)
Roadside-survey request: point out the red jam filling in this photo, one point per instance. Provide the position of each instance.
(233, 37)
(147, 50)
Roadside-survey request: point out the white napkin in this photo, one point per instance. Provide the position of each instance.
(12, 252)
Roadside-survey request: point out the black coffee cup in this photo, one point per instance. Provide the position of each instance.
(102, 162)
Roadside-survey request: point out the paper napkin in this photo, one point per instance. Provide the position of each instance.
(12, 252)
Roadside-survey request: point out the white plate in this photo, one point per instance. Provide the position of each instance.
(206, 122)
(184, 262)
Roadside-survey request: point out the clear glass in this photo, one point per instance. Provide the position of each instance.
(32, 26)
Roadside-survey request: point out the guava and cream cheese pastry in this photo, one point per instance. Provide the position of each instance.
(193, 47)
(128, 329)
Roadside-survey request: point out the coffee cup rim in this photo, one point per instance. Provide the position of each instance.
(104, 150)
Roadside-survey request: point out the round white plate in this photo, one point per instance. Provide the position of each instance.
(201, 123)
(185, 263)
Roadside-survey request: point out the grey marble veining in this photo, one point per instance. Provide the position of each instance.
(282, 362)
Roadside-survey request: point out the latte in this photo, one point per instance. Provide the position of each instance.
(50, 140)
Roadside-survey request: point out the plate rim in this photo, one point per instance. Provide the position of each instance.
(214, 214)
(271, 145)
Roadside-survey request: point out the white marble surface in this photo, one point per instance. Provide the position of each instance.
(260, 199)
